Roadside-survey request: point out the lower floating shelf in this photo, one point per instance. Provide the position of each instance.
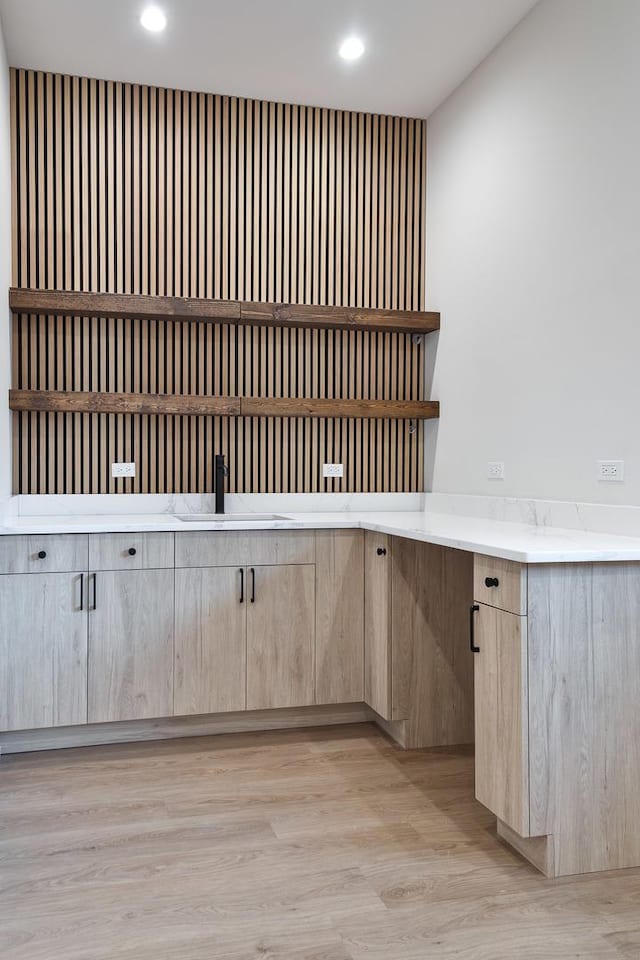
(75, 401)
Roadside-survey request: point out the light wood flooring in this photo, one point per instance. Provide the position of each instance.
(324, 844)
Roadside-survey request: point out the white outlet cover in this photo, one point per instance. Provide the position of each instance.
(495, 470)
(123, 470)
(611, 471)
(332, 470)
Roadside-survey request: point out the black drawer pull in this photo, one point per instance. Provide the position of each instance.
(132, 551)
(42, 554)
(241, 584)
(381, 551)
(491, 582)
(472, 639)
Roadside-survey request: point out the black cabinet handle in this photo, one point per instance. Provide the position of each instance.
(491, 582)
(95, 591)
(82, 591)
(253, 585)
(241, 584)
(472, 640)
(42, 554)
(132, 551)
(381, 551)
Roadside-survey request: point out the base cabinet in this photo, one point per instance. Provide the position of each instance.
(377, 623)
(280, 636)
(339, 616)
(43, 651)
(130, 645)
(502, 715)
(211, 640)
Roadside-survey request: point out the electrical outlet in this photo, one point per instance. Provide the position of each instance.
(332, 470)
(495, 470)
(611, 470)
(123, 470)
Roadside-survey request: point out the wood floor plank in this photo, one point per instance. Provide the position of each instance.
(322, 844)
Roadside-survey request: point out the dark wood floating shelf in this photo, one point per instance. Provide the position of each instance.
(134, 306)
(76, 401)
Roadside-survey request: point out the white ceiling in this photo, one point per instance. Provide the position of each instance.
(417, 51)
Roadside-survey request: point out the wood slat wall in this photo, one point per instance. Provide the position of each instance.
(134, 189)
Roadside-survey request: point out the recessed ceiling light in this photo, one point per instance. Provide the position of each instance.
(153, 19)
(352, 48)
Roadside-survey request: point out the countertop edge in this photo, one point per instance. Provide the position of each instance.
(609, 548)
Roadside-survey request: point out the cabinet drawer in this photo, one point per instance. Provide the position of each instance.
(205, 548)
(130, 551)
(63, 553)
(500, 583)
(282, 547)
(244, 548)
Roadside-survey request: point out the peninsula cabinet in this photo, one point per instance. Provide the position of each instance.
(557, 687)
(501, 715)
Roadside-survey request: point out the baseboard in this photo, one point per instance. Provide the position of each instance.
(24, 741)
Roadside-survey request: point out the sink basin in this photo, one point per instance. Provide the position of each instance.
(227, 517)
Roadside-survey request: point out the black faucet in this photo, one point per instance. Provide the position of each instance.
(222, 471)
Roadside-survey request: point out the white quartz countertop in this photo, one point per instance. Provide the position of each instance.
(522, 542)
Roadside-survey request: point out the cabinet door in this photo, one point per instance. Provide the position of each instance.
(211, 640)
(339, 616)
(377, 622)
(501, 711)
(280, 636)
(43, 651)
(130, 645)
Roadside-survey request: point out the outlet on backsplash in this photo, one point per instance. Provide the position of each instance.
(123, 470)
(332, 470)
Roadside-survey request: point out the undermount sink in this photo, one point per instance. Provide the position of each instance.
(227, 517)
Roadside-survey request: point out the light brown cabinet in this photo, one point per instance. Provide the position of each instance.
(246, 630)
(131, 551)
(210, 640)
(502, 715)
(130, 645)
(339, 616)
(44, 553)
(280, 636)
(43, 650)
(377, 623)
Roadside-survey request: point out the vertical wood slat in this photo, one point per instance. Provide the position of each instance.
(127, 188)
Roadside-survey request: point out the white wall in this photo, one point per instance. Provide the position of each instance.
(533, 257)
(5, 272)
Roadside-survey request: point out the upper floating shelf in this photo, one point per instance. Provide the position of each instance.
(136, 306)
